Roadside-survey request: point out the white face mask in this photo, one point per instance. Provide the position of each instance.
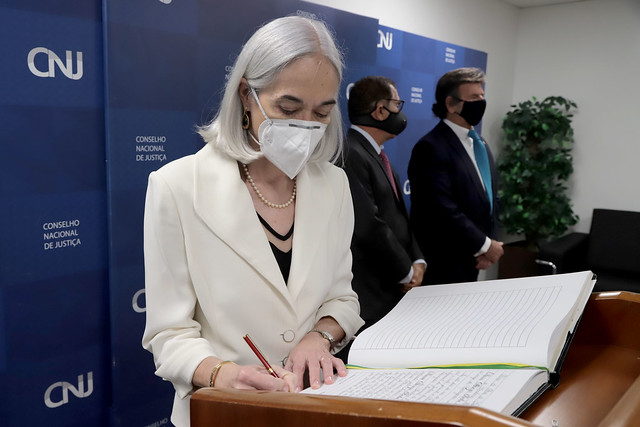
(287, 143)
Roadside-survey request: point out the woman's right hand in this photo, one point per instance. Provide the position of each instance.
(244, 377)
(254, 377)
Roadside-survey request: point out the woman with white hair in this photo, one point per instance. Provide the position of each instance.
(222, 256)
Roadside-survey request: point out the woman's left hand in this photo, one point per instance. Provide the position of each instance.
(312, 352)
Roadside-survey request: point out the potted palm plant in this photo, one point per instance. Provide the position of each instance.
(533, 168)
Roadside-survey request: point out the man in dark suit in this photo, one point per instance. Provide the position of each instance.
(386, 259)
(453, 181)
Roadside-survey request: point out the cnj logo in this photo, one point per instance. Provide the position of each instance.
(348, 89)
(58, 393)
(136, 302)
(54, 61)
(386, 40)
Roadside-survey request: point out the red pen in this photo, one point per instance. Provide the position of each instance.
(260, 356)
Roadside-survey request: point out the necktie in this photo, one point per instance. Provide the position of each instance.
(387, 166)
(482, 160)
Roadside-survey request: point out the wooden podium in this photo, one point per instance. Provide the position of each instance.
(599, 386)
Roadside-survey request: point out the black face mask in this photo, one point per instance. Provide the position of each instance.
(394, 124)
(472, 111)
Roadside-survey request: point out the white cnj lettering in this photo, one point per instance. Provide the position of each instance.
(386, 40)
(406, 188)
(349, 86)
(136, 306)
(53, 61)
(65, 388)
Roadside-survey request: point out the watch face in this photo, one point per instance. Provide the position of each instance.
(326, 335)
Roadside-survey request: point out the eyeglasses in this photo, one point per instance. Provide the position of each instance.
(399, 103)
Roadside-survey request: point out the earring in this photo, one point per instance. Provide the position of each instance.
(246, 121)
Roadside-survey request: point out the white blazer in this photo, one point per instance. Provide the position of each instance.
(211, 276)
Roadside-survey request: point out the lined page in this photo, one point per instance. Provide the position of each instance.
(502, 321)
(499, 390)
(472, 320)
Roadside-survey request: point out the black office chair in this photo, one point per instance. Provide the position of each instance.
(611, 249)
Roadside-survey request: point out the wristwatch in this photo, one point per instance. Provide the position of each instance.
(326, 335)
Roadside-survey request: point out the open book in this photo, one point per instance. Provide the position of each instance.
(495, 344)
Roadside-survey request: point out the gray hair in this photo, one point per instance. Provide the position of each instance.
(269, 50)
(449, 83)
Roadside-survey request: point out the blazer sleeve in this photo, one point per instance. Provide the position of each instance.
(372, 234)
(171, 334)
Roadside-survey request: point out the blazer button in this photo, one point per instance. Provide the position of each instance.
(288, 336)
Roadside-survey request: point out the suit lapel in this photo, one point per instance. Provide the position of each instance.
(465, 160)
(375, 157)
(396, 179)
(311, 224)
(222, 201)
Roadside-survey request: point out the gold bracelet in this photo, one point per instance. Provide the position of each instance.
(216, 369)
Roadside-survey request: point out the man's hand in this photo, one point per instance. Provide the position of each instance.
(416, 280)
(482, 262)
(495, 251)
(492, 256)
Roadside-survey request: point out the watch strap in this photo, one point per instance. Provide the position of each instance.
(326, 335)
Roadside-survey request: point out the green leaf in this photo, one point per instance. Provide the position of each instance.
(534, 165)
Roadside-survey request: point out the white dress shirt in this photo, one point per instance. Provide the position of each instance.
(467, 143)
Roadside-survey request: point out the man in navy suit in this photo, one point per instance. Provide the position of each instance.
(387, 261)
(453, 181)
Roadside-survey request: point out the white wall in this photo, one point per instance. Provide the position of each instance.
(586, 51)
(590, 52)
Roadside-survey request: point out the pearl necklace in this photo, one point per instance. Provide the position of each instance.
(264, 200)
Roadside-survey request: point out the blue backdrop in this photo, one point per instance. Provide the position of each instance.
(79, 143)
(54, 340)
